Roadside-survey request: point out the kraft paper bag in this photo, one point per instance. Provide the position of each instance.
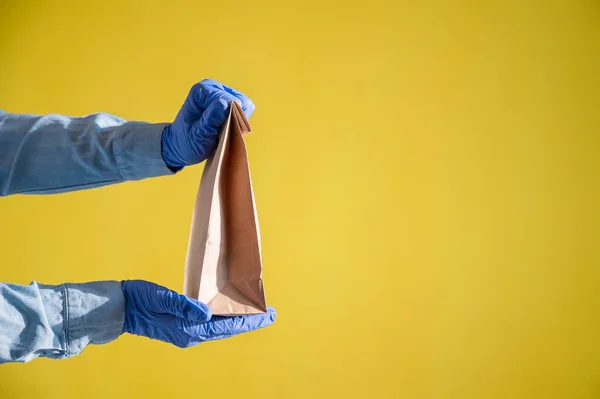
(224, 265)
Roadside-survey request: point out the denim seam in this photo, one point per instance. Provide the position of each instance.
(66, 321)
(117, 150)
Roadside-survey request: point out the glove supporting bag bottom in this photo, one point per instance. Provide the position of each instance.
(224, 262)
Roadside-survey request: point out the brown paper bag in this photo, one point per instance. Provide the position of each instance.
(223, 266)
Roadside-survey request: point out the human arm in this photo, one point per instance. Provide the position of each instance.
(44, 154)
(59, 321)
(55, 153)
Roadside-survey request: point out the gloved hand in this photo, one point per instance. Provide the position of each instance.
(156, 312)
(193, 136)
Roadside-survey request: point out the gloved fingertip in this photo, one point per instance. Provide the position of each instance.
(249, 109)
(272, 313)
(257, 321)
(247, 105)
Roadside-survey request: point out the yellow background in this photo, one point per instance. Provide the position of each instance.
(427, 177)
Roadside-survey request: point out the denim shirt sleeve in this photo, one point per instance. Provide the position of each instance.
(54, 153)
(58, 321)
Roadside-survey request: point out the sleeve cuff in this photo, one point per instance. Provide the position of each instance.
(93, 313)
(138, 151)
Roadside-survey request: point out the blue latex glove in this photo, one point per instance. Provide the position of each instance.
(193, 136)
(156, 312)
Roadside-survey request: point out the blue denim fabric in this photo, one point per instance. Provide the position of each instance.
(54, 153)
(58, 321)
